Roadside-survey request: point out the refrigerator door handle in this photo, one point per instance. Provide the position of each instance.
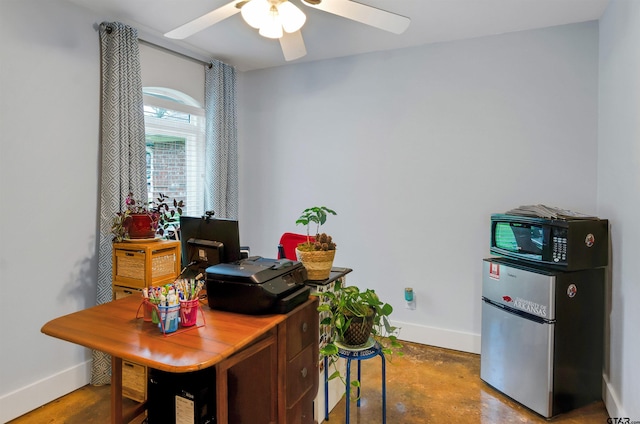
(519, 313)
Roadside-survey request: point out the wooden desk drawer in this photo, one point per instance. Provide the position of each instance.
(298, 364)
(302, 372)
(302, 412)
(301, 330)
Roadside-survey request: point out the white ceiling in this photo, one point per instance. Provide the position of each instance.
(327, 36)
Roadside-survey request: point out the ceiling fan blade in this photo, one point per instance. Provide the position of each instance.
(359, 12)
(292, 45)
(206, 21)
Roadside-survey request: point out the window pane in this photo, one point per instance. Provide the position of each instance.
(175, 155)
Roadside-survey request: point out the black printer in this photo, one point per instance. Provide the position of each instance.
(257, 286)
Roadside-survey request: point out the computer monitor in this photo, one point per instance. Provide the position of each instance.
(207, 241)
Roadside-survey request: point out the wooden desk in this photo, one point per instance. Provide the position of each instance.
(225, 340)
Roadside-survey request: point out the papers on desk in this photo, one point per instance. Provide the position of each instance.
(549, 212)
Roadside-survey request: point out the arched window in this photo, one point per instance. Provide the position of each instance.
(174, 127)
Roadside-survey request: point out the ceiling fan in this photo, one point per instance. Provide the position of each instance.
(282, 20)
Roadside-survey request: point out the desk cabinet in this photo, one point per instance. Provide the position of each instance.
(298, 365)
(275, 379)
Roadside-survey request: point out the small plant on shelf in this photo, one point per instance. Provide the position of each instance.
(317, 215)
(158, 215)
(316, 255)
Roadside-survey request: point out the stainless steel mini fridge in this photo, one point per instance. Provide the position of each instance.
(542, 335)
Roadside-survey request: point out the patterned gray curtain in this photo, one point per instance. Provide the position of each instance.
(221, 134)
(123, 151)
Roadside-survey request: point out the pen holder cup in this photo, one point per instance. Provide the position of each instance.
(150, 312)
(189, 312)
(169, 317)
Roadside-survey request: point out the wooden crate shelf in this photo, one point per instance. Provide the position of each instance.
(139, 265)
(136, 266)
(134, 381)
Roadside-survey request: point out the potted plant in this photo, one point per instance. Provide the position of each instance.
(356, 319)
(316, 256)
(139, 221)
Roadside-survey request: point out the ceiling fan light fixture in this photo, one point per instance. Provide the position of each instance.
(255, 12)
(271, 26)
(291, 16)
(270, 17)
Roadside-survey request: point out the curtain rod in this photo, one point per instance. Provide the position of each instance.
(144, 39)
(168, 50)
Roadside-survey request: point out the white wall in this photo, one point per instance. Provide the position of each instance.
(619, 197)
(49, 102)
(161, 68)
(414, 149)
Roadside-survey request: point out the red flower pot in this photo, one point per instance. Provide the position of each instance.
(142, 225)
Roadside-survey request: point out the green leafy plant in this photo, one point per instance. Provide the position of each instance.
(344, 306)
(162, 211)
(169, 211)
(317, 215)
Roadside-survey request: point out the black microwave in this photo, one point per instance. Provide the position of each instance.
(567, 244)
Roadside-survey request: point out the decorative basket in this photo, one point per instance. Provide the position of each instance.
(317, 262)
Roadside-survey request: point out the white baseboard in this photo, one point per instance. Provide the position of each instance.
(440, 337)
(611, 401)
(28, 398)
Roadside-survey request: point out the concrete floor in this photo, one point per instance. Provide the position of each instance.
(434, 385)
(426, 385)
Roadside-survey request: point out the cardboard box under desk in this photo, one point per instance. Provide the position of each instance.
(139, 265)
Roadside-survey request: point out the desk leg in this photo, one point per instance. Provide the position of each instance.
(116, 390)
(222, 400)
